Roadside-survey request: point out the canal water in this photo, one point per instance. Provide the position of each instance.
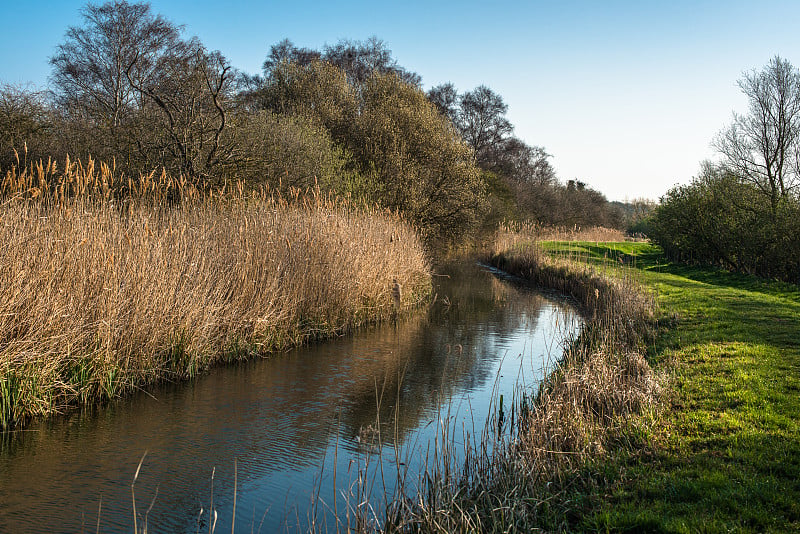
(316, 435)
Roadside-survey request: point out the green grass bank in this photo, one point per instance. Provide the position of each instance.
(723, 453)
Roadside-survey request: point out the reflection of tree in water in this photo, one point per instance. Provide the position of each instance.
(457, 349)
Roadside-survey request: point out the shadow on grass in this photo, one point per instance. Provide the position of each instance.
(730, 454)
(735, 307)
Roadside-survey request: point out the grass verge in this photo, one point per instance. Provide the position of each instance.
(728, 455)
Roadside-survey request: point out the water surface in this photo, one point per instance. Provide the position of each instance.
(340, 417)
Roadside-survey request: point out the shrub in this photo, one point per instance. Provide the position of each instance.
(722, 220)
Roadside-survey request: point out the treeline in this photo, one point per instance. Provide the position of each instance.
(522, 182)
(129, 89)
(743, 212)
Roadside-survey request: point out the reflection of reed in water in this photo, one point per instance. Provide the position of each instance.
(397, 292)
(369, 436)
(400, 375)
(457, 348)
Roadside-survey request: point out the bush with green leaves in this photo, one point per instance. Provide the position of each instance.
(406, 155)
(292, 151)
(721, 219)
(421, 164)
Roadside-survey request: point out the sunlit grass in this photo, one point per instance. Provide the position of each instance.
(730, 454)
(726, 454)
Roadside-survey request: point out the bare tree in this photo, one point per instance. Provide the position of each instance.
(515, 159)
(139, 93)
(445, 98)
(192, 91)
(763, 147)
(118, 42)
(25, 124)
(482, 120)
(286, 51)
(93, 70)
(360, 59)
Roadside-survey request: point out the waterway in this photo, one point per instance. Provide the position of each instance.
(295, 438)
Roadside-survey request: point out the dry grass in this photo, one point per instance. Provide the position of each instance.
(512, 234)
(603, 379)
(109, 287)
(621, 312)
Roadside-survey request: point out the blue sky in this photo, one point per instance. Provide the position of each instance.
(625, 95)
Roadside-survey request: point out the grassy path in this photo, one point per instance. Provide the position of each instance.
(727, 453)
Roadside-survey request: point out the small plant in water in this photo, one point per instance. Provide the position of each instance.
(368, 435)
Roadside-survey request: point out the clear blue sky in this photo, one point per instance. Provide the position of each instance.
(626, 95)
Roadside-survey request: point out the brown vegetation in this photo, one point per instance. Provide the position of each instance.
(511, 235)
(110, 286)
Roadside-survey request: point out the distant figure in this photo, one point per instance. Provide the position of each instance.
(397, 292)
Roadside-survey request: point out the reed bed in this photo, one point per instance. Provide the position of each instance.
(599, 403)
(112, 284)
(513, 232)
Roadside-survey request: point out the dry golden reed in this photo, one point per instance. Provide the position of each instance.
(106, 290)
(513, 233)
(603, 379)
(51, 183)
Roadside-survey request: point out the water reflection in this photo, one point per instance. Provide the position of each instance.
(283, 419)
